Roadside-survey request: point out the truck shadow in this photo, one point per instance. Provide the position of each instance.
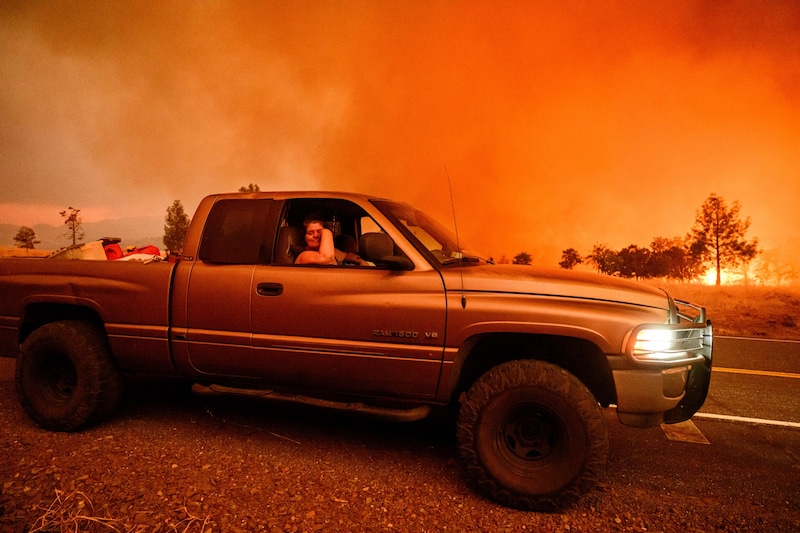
(170, 402)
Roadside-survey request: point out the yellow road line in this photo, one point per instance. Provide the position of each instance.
(756, 372)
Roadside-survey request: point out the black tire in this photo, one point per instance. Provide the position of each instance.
(66, 378)
(532, 436)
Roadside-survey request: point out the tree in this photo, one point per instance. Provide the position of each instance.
(253, 187)
(604, 259)
(671, 258)
(26, 238)
(74, 224)
(522, 258)
(177, 224)
(634, 262)
(569, 258)
(778, 266)
(718, 235)
(662, 256)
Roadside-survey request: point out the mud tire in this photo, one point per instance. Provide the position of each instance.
(532, 436)
(66, 378)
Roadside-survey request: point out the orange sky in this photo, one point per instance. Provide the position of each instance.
(561, 124)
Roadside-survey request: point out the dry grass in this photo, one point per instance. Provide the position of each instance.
(744, 310)
(21, 252)
(73, 512)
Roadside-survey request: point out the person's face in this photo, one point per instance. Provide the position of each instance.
(313, 235)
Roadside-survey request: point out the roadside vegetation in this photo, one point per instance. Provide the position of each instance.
(758, 311)
(715, 243)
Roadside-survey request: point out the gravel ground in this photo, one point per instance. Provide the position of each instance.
(168, 461)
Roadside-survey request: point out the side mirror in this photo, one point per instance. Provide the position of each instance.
(397, 262)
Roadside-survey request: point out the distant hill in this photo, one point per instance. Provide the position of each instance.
(134, 231)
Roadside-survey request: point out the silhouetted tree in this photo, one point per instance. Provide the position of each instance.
(74, 224)
(605, 260)
(522, 258)
(569, 258)
(26, 238)
(670, 258)
(718, 235)
(632, 262)
(253, 187)
(177, 224)
(692, 265)
(661, 259)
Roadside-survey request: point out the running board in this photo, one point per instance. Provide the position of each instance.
(385, 413)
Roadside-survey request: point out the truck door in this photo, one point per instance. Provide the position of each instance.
(339, 328)
(218, 287)
(364, 330)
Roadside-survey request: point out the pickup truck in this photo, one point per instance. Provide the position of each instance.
(526, 358)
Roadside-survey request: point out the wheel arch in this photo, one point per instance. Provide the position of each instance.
(38, 314)
(582, 358)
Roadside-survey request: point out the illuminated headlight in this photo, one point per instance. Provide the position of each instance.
(666, 343)
(654, 340)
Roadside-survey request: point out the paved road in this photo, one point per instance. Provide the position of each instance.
(755, 378)
(757, 354)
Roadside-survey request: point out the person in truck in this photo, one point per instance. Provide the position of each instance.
(320, 249)
(319, 244)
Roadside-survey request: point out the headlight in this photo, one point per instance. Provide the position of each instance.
(666, 343)
(654, 340)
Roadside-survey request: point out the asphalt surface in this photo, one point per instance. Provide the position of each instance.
(755, 378)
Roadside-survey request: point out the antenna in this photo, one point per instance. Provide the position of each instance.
(458, 241)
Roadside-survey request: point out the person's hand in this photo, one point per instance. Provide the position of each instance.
(355, 259)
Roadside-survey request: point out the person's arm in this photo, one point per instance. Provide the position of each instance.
(355, 258)
(325, 255)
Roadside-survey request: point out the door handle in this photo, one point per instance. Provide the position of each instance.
(269, 289)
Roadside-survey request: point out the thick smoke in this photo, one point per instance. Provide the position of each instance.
(560, 124)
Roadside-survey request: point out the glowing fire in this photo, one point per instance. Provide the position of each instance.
(727, 277)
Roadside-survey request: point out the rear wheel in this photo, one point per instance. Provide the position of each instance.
(65, 376)
(532, 436)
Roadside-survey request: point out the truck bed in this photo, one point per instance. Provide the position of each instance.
(130, 298)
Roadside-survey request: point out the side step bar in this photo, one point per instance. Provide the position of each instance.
(384, 413)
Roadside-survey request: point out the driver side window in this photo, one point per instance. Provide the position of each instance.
(358, 240)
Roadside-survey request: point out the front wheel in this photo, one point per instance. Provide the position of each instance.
(65, 376)
(532, 435)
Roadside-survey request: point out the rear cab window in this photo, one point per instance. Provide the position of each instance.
(237, 232)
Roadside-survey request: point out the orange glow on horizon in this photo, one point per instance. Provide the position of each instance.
(726, 277)
(31, 215)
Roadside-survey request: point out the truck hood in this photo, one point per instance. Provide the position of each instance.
(523, 279)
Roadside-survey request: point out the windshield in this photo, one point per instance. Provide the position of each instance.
(427, 233)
